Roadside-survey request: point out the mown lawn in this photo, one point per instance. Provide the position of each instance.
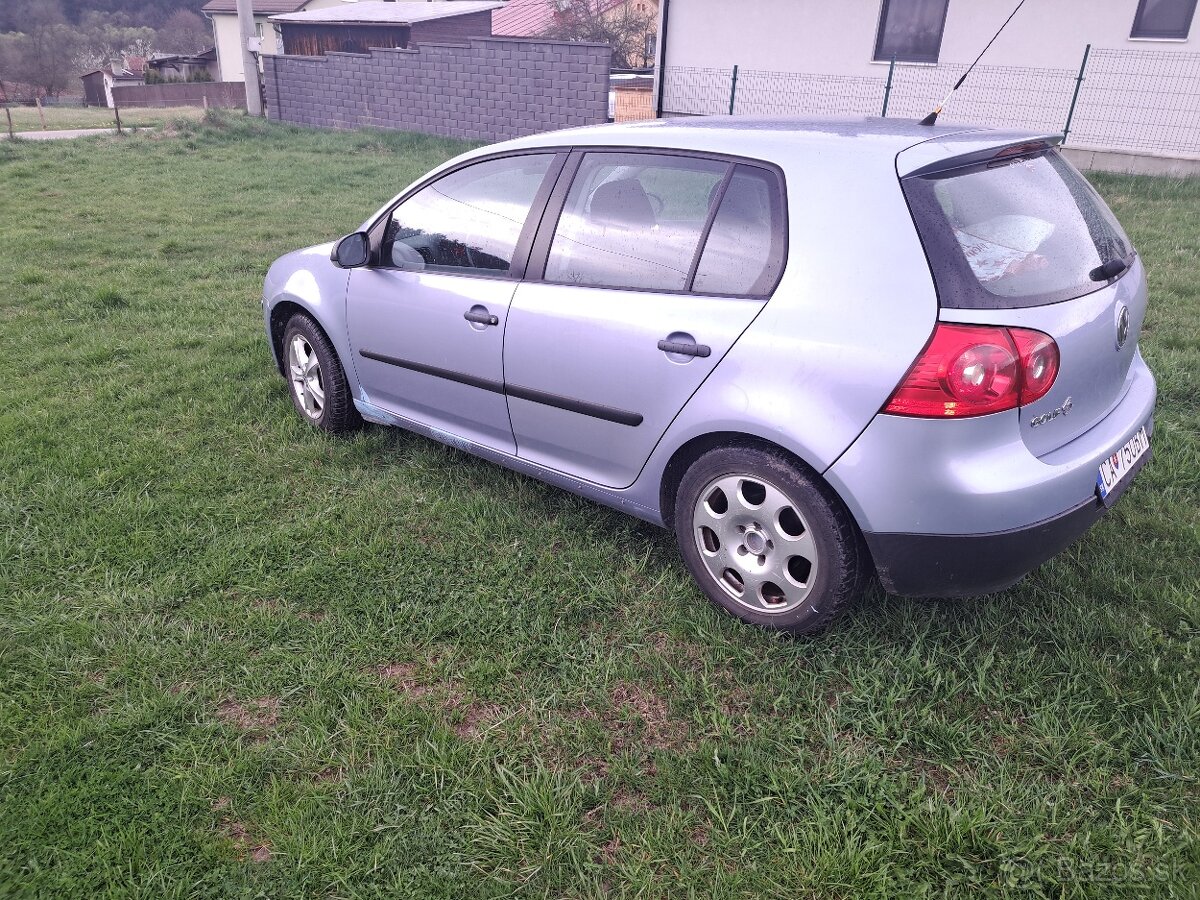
(25, 118)
(238, 658)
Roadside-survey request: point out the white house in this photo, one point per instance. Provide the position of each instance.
(1140, 91)
(858, 37)
(227, 36)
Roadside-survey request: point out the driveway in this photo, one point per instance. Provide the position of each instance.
(59, 135)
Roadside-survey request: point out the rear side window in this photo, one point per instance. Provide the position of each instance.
(1017, 233)
(633, 220)
(743, 255)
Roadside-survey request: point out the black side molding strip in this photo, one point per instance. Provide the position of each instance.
(482, 383)
(594, 410)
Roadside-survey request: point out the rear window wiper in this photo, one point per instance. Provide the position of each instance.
(1108, 270)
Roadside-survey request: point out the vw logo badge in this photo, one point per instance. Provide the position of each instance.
(1122, 325)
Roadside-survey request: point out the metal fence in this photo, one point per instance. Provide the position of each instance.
(1124, 100)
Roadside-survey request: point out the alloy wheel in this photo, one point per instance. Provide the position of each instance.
(304, 369)
(755, 543)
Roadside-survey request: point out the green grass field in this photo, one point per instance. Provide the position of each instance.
(238, 658)
(25, 118)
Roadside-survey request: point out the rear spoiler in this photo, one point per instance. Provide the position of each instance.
(981, 152)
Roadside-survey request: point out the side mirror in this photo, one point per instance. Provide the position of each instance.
(352, 251)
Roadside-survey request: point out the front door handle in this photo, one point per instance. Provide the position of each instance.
(685, 348)
(480, 316)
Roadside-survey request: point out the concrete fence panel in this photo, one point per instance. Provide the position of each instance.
(218, 94)
(487, 89)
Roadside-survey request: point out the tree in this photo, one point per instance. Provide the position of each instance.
(103, 38)
(621, 27)
(43, 53)
(183, 32)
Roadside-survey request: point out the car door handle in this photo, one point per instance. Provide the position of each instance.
(685, 348)
(481, 318)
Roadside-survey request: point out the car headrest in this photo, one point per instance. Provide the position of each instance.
(621, 202)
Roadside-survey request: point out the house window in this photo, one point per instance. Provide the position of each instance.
(910, 30)
(1169, 19)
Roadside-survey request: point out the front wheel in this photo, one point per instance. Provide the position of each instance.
(317, 382)
(767, 541)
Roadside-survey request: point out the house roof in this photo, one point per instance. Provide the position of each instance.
(530, 18)
(164, 59)
(261, 7)
(387, 12)
(117, 75)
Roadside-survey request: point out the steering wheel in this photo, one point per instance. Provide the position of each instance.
(658, 203)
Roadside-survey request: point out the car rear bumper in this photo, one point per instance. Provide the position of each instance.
(967, 565)
(959, 507)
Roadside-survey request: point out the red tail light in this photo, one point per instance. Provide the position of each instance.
(973, 370)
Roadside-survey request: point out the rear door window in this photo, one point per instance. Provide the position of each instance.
(634, 220)
(1012, 233)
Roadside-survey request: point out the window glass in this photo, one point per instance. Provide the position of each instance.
(744, 250)
(1163, 19)
(1030, 228)
(910, 30)
(633, 220)
(470, 219)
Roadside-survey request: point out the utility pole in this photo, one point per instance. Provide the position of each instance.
(245, 13)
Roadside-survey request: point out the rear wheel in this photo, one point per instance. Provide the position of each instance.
(316, 380)
(767, 541)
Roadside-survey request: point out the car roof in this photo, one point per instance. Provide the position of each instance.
(774, 139)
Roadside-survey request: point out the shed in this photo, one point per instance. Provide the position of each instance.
(356, 27)
(98, 84)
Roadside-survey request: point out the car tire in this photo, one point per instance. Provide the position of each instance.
(316, 380)
(767, 540)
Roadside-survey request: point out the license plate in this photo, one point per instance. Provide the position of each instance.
(1118, 468)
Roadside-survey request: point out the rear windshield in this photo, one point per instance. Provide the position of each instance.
(1023, 232)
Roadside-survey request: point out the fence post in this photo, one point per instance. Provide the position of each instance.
(41, 115)
(887, 88)
(7, 114)
(733, 90)
(117, 113)
(1075, 96)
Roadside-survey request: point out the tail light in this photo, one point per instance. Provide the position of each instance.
(973, 370)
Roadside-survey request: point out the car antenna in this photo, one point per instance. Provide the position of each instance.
(931, 119)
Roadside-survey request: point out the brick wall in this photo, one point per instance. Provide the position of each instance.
(488, 90)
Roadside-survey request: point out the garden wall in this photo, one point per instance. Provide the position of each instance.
(489, 89)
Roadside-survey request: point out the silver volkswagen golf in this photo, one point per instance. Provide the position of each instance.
(817, 350)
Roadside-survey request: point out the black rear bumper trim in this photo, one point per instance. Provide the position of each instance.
(967, 565)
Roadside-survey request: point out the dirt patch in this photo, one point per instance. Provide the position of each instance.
(403, 677)
(629, 801)
(245, 844)
(449, 698)
(311, 615)
(659, 730)
(329, 775)
(476, 718)
(935, 777)
(255, 716)
(609, 851)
